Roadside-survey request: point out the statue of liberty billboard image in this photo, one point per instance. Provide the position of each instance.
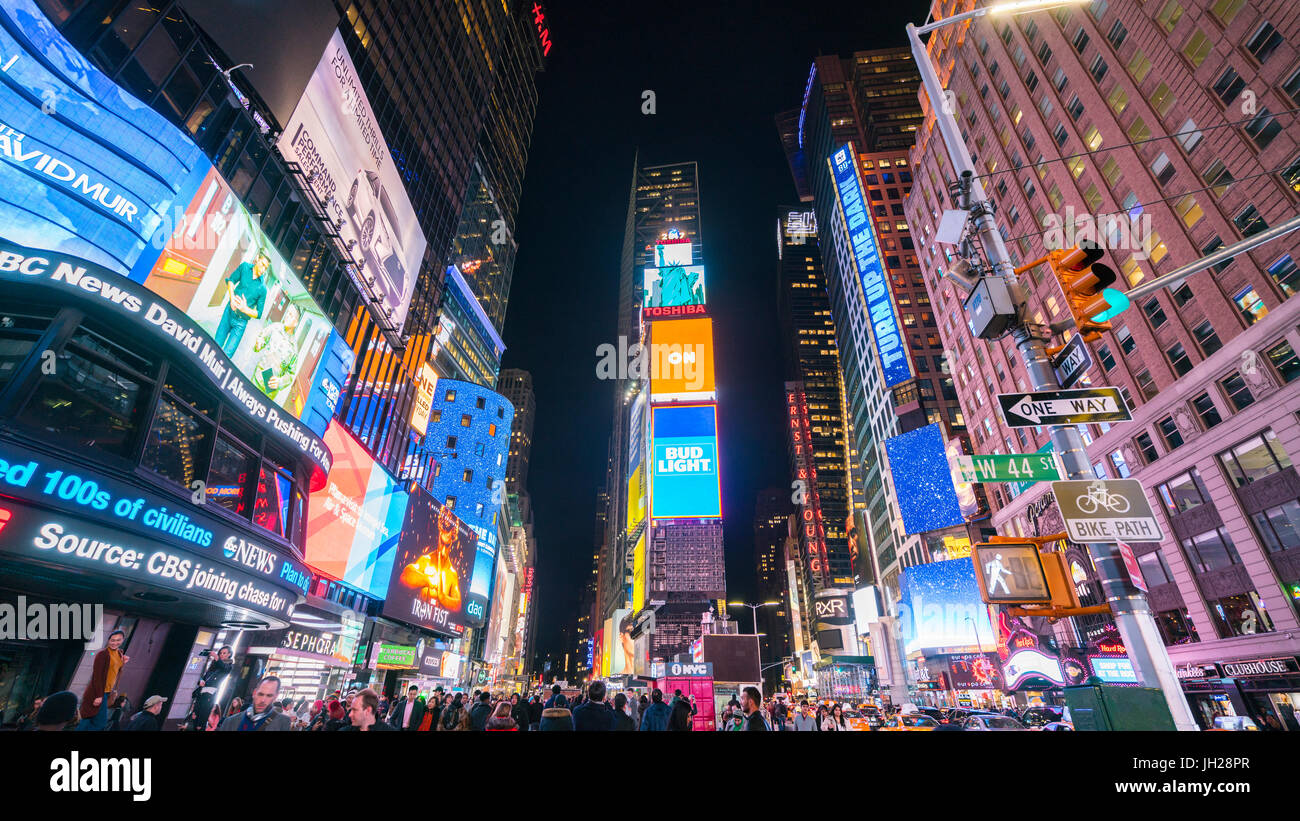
(220, 269)
(674, 285)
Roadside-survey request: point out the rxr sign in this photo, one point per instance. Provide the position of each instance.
(831, 608)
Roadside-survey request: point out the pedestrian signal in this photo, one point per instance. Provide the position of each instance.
(1011, 573)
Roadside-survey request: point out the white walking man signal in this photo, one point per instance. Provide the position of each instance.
(994, 571)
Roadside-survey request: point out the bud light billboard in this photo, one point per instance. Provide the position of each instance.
(927, 499)
(684, 479)
(86, 169)
(886, 330)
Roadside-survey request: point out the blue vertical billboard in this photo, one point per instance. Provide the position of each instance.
(684, 479)
(886, 329)
(85, 168)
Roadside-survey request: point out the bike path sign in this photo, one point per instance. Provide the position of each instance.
(1065, 407)
(1107, 511)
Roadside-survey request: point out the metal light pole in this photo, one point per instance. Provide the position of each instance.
(1132, 613)
(753, 609)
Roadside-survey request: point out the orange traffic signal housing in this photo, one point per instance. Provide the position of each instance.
(1083, 280)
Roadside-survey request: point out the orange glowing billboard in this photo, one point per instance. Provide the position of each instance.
(681, 360)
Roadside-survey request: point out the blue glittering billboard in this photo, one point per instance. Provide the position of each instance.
(940, 607)
(886, 329)
(85, 168)
(684, 480)
(918, 465)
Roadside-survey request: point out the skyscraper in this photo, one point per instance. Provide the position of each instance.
(517, 386)
(772, 511)
(1149, 128)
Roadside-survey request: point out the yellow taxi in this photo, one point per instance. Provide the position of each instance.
(910, 722)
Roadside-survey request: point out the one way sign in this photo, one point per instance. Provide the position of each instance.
(1072, 407)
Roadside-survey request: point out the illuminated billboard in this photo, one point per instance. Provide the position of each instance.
(671, 252)
(681, 361)
(886, 330)
(434, 555)
(939, 607)
(334, 137)
(225, 274)
(636, 498)
(355, 521)
(622, 651)
(674, 285)
(922, 480)
(639, 574)
(425, 385)
(684, 479)
(86, 169)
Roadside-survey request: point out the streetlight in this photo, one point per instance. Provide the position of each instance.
(1132, 611)
(753, 608)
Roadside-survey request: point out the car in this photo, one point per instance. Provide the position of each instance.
(1040, 715)
(992, 722)
(856, 720)
(1225, 723)
(1055, 727)
(933, 712)
(872, 715)
(910, 722)
(375, 232)
(958, 715)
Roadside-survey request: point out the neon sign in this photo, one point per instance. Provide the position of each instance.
(1030, 663)
(543, 33)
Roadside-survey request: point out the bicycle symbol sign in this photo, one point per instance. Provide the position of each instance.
(1107, 511)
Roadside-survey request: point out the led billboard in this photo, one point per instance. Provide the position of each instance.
(354, 522)
(684, 479)
(225, 274)
(674, 285)
(639, 574)
(922, 480)
(940, 607)
(671, 252)
(681, 361)
(334, 137)
(622, 651)
(85, 168)
(434, 555)
(886, 329)
(636, 498)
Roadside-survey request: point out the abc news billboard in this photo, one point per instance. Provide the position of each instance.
(335, 139)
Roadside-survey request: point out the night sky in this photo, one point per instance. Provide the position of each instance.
(720, 76)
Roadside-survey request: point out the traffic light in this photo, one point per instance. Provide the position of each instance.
(1083, 280)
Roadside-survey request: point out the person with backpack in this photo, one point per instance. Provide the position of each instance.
(654, 718)
(451, 714)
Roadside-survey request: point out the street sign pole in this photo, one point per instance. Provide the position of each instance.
(1133, 615)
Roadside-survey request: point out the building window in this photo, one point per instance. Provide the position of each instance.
(1206, 411)
(1197, 48)
(1107, 361)
(1139, 66)
(451, 441)
(1146, 447)
(1118, 34)
(1229, 85)
(1117, 99)
(1250, 305)
(1240, 615)
(1169, 432)
(1263, 128)
(1146, 385)
(492, 430)
(1154, 569)
(1285, 362)
(1211, 550)
(1238, 394)
(1176, 627)
(450, 396)
(1182, 294)
(1163, 169)
(450, 503)
(1126, 341)
(1218, 176)
(1279, 527)
(1249, 221)
(468, 475)
(1154, 312)
(1183, 493)
(1286, 275)
(1098, 68)
(1265, 42)
(1257, 457)
(1178, 359)
(1170, 13)
(1162, 99)
(1206, 338)
(480, 402)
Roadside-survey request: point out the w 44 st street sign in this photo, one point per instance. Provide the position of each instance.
(1064, 407)
(1014, 467)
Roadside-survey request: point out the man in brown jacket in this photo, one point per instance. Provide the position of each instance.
(98, 697)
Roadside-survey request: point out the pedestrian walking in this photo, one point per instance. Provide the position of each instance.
(480, 712)
(680, 718)
(556, 719)
(835, 720)
(535, 709)
(365, 714)
(409, 712)
(101, 691)
(205, 692)
(751, 701)
(803, 720)
(519, 711)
